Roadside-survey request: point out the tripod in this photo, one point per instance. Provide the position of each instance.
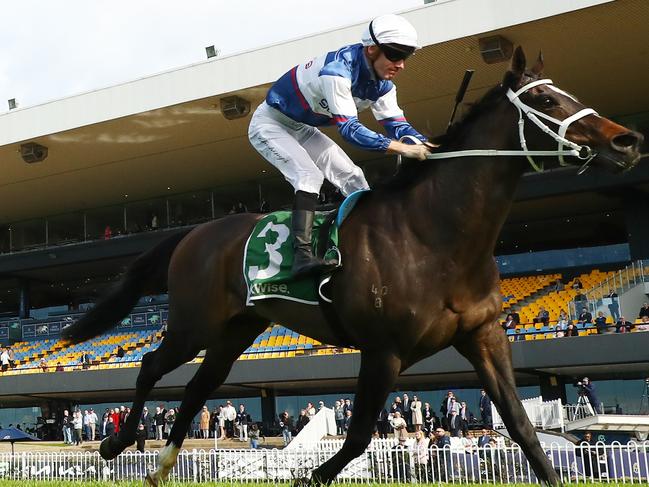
(644, 398)
(583, 408)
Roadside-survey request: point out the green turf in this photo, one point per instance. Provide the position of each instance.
(67, 483)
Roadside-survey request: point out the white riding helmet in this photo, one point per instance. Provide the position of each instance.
(392, 32)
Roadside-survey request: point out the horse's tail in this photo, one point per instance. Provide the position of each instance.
(148, 273)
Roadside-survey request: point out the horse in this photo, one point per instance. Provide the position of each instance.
(426, 239)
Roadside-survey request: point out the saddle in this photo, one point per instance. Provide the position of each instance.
(268, 255)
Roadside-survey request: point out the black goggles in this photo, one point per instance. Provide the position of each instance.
(396, 52)
(393, 52)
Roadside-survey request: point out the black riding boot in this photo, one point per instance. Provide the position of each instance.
(304, 262)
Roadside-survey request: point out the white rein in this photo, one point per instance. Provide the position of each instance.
(582, 152)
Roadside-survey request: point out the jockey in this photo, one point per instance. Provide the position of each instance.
(330, 90)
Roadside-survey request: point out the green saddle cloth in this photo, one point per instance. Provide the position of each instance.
(268, 257)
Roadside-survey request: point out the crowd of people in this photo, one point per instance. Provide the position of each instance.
(565, 327)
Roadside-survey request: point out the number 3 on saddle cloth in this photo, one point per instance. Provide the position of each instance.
(268, 255)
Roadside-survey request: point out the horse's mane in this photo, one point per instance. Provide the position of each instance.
(410, 170)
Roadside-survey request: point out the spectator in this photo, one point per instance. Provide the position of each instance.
(77, 424)
(421, 456)
(147, 420)
(159, 421)
(230, 416)
(415, 413)
(116, 421)
(43, 364)
(485, 409)
(623, 326)
(516, 316)
(110, 427)
(401, 461)
(243, 420)
(614, 305)
(170, 420)
(348, 406)
(484, 439)
(321, 405)
(585, 317)
(454, 423)
(310, 410)
(286, 425)
(542, 317)
(644, 311)
(441, 455)
(587, 450)
(304, 419)
(383, 424)
(84, 360)
(600, 323)
(446, 407)
(104, 423)
(558, 286)
(644, 324)
(576, 284)
(348, 421)
(66, 424)
(588, 389)
(204, 423)
(467, 444)
(407, 413)
(140, 437)
(120, 352)
(430, 419)
(4, 360)
(108, 233)
(562, 324)
(399, 426)
(59, 367)
(339, 415)
(571, 330)
(154, 222)
(465, 417)
(509, 323)
(86, 425)
(396, 406)
(253, 434)
(221, 422)
(12, 358)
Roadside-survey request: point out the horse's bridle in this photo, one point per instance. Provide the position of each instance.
(582, 152)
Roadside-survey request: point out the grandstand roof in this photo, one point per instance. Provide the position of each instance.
(166, 131)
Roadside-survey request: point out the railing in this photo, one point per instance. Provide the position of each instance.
(622, 280)
(382, 462)
(544, 415)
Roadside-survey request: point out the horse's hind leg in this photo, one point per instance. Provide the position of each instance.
(379, 371)
(172, 352)
(488, 350)
(240, 333)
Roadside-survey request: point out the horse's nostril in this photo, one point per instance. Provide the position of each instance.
(628, 141)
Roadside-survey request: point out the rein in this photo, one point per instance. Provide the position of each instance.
(582, 152)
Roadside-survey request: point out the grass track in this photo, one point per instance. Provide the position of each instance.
(67, 483)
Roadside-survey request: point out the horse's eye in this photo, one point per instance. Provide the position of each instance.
(546, 102)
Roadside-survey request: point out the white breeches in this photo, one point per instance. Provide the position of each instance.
(303, 154)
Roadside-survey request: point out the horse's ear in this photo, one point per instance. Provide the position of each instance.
(538, 67)
(518, 62)
(517, 69)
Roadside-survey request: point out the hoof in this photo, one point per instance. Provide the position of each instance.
(151, 479)
(301, 482)
(110, 447)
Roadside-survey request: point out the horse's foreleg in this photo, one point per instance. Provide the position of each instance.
(379, 371)
(154, 365)
(489, 351)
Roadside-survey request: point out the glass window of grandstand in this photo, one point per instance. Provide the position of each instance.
(236, 198)
(65, 229)
(276, 194)
(145, 216)
(104, 223)
(5, 239)
(28, 235)
(190, 208)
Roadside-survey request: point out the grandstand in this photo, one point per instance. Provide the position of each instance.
(196, 165)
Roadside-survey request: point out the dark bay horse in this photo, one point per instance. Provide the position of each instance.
(426, 240)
